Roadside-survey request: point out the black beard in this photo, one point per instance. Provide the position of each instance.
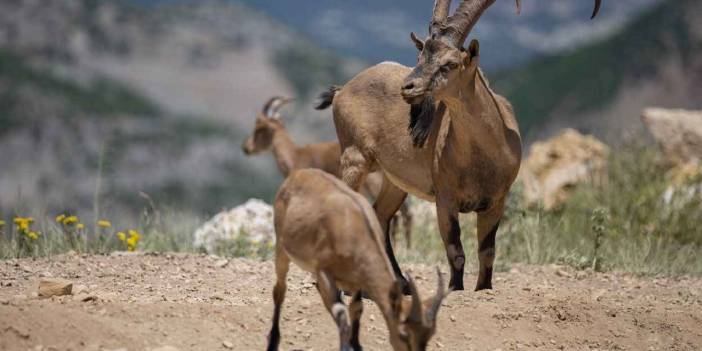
(421, 118)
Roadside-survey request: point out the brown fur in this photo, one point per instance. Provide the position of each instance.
(269, 133)
(469, 145)
(330, 230)
(472, 154)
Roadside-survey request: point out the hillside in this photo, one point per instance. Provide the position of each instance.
(378, 30)
(102, 99)
(602, 87)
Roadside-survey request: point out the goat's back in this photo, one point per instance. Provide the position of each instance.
(320, 221)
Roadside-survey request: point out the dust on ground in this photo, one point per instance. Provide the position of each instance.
(197, 302)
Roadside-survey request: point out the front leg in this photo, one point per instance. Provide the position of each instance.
(447, 214)
(488, 222)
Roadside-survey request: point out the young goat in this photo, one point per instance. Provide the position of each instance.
(270, 134)
(331, 231)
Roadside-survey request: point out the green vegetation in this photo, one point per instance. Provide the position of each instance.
(590, 76)
(623, 224)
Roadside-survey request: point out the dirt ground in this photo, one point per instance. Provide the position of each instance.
(197, 302)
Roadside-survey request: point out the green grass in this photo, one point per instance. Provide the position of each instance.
(623, 224)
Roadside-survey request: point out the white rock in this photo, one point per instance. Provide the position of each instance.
(253, 221)
(677, 132)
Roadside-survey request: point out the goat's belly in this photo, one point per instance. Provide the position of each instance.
(303, 263)
(422, 190)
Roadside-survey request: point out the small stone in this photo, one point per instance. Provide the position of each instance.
(55, 287)
(228, 344)
(85, 297)
(562, 273)
(222, 263)
(79, 289)
(165, 348)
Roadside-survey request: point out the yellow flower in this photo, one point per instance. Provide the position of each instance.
(132, 243)
(33, 235)
(60, 218)
(122, 236)
(103, 223)
(23, 223)
(70, 220)
(2, 223)
(80, 226)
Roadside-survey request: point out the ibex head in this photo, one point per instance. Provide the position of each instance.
(416, 319)
(267, 122)
(443, 63)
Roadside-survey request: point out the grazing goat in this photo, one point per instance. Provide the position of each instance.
(463, 148)
(326, 228)
(270, 134)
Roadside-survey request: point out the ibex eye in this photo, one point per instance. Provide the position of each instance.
(448, 67)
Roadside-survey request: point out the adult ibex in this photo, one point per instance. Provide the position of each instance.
(463, 148)
(270, 134)
(330, 230)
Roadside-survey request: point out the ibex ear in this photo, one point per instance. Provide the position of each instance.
(417, 42)
(474, 49)
(473, 55)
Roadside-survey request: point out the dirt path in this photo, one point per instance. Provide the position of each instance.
(191, 302)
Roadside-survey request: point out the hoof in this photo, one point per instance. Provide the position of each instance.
(484, 286)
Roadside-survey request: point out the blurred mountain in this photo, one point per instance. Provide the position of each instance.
(378, 30)
(602, 87)
(104, 99)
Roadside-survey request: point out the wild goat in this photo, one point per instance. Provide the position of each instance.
(463, 148)
(330, 230)
(270, 134)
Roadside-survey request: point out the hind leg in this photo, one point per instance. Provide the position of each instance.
(406, 215)
(282, 265)
(389, 201)
(356, 310)
(332, 301)
(354, 167)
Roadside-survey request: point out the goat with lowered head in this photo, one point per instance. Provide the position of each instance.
(269, 133)
(326, 228)
(463, 148)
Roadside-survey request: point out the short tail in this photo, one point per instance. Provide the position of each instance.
(326, 98)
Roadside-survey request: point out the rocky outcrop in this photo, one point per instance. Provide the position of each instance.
(677, 132)
(54, 287)
(248, 224)
(555, 166)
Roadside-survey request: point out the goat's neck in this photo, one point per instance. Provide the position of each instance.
(474, 112)
(284, 151)
(381, 296)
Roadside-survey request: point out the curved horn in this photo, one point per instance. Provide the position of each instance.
(465, 17)
(439, 15)
(438, 298)
(271, 108)
(415, 315)
(468, 12)
(598, 4)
